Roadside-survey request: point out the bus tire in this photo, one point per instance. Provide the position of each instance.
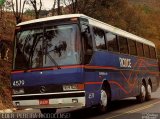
(142, 96)
(104, 102)
(149, 91)
(48, 111)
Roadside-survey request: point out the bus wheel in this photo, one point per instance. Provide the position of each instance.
(48, 111)
(102, 107)
(142, 96)
(149, 91)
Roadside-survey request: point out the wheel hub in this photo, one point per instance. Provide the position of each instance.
(149, 89)
(103, 98)
(143, 90)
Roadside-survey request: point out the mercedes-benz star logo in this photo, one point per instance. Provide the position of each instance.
(43, 89)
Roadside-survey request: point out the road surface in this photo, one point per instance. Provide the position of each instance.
(122, 109)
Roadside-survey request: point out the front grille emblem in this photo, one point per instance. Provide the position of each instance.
(43, 89)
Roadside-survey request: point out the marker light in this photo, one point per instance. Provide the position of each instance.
(18, 91)
(75, 100)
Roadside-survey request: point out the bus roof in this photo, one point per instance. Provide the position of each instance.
(95, 23)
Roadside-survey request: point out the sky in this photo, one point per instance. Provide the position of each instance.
(47, 4)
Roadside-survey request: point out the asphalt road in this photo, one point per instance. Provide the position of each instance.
(122, 109)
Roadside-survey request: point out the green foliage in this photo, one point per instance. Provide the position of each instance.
(146, 9)
(29, 12)
(2, 2)
(135, 16)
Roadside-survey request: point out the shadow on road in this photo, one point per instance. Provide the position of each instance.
(115, 105)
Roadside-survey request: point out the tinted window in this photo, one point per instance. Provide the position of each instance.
(153, 52)
(29, 49)
(99, 38)
(58, 45)
(146, 51)
(140, 49)
(87, 41)
(132, 47)
(85, 28)
(112, 42)
(123, 45)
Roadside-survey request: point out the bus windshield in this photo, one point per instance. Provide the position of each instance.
(46, 47)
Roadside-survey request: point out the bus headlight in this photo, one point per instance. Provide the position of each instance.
(18, 91)
(72, 87)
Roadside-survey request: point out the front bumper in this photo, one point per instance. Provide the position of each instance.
(56, 100)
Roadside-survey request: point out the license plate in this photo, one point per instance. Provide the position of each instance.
(44, 102)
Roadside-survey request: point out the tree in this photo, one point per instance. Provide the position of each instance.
(29, 12)
(72, 5)
(18, 9)
(1, 18)
(35, 5)
(59, 7)
(2, 2)
(54, 7)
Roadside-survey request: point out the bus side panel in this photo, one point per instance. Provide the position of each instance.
(92, 87)
(153, 72)
(124, 72)
(122, 80)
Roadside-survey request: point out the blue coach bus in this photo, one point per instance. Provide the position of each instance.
(77, 61)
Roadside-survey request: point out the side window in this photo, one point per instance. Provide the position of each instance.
(112, 42)
(85, 28)
(140, 49)
(87, 41)
(146, 51)
(123, 45)
(99, 38)
(153, 52)
(132, 47)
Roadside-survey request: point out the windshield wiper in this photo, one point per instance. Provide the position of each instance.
(51, 58)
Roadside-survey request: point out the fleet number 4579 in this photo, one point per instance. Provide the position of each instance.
(18, 83)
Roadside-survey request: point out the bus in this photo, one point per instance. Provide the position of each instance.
(76, 61)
